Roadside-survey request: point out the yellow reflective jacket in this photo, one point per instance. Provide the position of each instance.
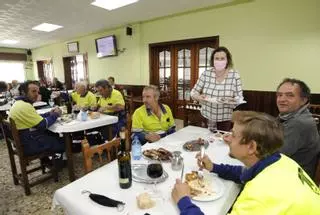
(281, 188)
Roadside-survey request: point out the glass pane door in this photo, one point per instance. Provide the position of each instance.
(184, 74)
(165, 70)
(204, 59)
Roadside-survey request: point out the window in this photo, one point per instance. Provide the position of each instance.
(12, 70)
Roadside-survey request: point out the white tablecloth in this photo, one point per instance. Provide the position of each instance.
(105, 181)
(5, 107)
(77, 125)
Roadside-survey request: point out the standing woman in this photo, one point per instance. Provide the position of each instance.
(219, 90)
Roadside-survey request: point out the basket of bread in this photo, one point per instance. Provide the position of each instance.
(94, 115)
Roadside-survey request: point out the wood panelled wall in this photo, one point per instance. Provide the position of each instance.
(265, 101)
(13, 56)
(261, 101)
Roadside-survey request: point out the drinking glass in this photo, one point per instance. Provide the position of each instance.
(155, 171)
(51, 102)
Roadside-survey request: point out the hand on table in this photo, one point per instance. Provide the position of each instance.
(56, 110)
(179, 191)
(205, 162)
(102, 109)
(152, 137)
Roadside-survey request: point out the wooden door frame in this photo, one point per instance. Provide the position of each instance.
(85, 63)
(172, 46)
(176, 42)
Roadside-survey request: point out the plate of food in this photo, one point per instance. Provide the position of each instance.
(157, 154)
(195, 145)
(65, 118)
(209, 188)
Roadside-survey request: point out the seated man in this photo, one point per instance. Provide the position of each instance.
(153, 120)
(14, 91)
(301, 137)
(111, 102)
(111, 81)
(82, 97)
(33, 127)
(273, 183)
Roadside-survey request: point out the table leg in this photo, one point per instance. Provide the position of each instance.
(68, 142)
(109, 128)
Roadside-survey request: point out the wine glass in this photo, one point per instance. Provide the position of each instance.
(51, 102)
(76, 110)
(155, 171)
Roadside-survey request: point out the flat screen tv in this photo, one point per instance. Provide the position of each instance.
(106, 46)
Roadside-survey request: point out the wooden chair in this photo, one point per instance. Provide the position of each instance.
(192, 115)
(109, 149)
(314, 108)
(15, 148)
(317, 173)
(315, 111)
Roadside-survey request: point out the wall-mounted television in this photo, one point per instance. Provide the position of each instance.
(106, 46)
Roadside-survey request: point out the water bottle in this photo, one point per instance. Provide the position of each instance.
(136, 148)
(84, 115)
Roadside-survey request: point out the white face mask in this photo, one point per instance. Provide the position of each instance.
(220, 64)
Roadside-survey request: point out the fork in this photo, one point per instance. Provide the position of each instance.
(182, 172)
(200, 172)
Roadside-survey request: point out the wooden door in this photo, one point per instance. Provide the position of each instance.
(176, 66)
(40, 70)
(75, 69)
(68, 64)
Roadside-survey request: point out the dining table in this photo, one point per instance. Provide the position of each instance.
(66, 128)
(74, 199)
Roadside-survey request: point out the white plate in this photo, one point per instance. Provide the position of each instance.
(40, 103)
(218, 101)
(218, 189)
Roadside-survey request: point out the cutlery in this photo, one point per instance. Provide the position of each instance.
(200, 172)
(182, 171)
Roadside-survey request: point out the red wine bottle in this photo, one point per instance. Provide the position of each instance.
(124, 164)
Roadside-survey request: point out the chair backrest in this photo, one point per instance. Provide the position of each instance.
(317, 173)
(106, 152)
(314, 108)
(16, 138)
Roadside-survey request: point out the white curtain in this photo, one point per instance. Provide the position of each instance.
(12, 70)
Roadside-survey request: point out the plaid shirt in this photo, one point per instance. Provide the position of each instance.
(208, 86)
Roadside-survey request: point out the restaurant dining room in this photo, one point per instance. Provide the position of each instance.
(145, 107)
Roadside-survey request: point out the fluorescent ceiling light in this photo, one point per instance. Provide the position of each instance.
(9, 41)
(47, 27)
(112, 4)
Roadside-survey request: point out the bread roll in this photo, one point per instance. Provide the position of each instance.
(144, 201)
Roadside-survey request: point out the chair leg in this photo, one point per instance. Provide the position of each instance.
(54, 170)
(25, 180)
(43, 166)
(12, 163)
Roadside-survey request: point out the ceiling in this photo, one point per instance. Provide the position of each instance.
(79, 17)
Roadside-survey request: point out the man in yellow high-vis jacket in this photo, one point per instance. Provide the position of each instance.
(273, 183)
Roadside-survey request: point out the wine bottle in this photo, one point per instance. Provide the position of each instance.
(124, 163)
(68, 102)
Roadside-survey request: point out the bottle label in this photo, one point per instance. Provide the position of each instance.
(125, 172)
(123, 180)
